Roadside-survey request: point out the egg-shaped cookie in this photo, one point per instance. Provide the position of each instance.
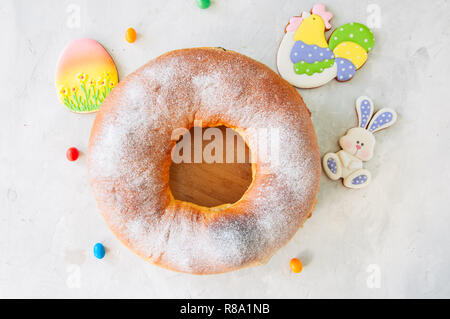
(352, 32)
(85, 75)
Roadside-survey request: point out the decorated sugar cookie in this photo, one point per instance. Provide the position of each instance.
(358, 145)
(85, 75)
(305, 58)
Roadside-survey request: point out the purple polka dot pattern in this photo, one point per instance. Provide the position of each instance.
(331, 163)
(345, 69)
(380, 120)
(361, 179)
(365, 113)
(310, 53)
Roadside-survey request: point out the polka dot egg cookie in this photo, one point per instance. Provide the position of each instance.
(203, 4)
(352, 42)
(130, 35)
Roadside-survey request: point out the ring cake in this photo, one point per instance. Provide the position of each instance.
(130, 156)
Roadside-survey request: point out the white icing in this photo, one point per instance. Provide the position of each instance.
(287, 72)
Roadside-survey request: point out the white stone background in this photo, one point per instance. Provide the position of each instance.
(389, 240)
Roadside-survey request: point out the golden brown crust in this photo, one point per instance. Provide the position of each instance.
(130, 155)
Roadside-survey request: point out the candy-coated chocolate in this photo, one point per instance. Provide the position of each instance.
(203, 4)
(99, 251)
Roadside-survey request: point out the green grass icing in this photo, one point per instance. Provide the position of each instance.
(90, 99)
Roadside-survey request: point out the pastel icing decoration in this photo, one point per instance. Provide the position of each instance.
(352, 52)
(358, 145)
(309, 53)
(85, 75)
(364, 111)
(320, 10)
(311, 31)
(99, 251)
(307, 60)
(354, 32)
(311, 68)
(293, 25)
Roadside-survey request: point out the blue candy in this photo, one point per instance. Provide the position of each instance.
(381, 119)
(99, 251)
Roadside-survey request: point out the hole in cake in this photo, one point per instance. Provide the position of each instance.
(210, 167)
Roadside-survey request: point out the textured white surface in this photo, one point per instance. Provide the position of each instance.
(397, 227)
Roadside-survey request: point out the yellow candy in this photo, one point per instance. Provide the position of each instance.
(351, 51)
(130, 35)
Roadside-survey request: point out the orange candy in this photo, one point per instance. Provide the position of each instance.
(296, 265)
(130, 35)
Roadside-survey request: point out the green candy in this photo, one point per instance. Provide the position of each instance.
(303, 67)
(353, 32)
(203, 4)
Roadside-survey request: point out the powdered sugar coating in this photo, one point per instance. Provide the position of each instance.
(129, 161)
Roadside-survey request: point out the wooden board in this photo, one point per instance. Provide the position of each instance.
(211, 184)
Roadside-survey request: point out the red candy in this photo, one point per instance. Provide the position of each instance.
(72, 154)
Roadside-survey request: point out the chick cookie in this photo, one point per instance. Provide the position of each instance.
(305, 58)
(358, 145)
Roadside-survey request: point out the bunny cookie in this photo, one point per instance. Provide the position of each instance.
(358, 145)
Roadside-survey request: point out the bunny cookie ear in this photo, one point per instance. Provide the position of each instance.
(382, 119)
(364, 109)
